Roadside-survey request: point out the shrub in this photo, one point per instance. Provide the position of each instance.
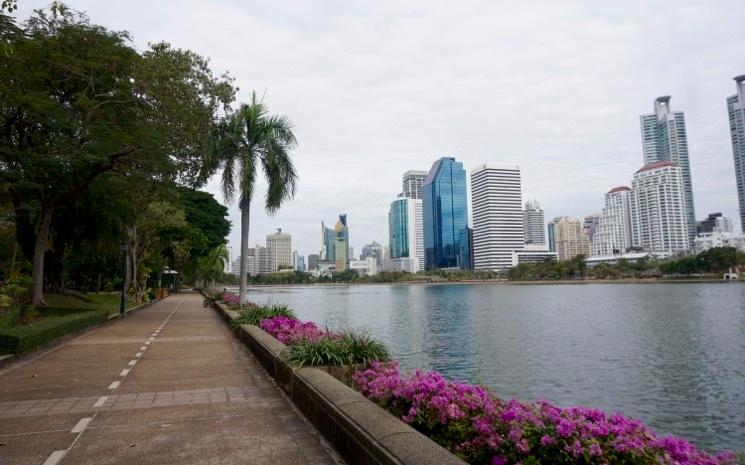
(288, 330)
(324, 351)
(31, 336)
(480, 428)
(361, 348)
(253, 314)
(348, 348)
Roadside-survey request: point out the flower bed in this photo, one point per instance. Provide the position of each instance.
(476, 425)
(288, 330)
(480, 428)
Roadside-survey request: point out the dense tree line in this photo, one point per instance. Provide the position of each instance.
(714, 261)
(102, 145)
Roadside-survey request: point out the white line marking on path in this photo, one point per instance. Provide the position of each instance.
(138, 355)
(142, 348)
(124, 372)
(132, 363)
(147, 343)
(55, 457)
(82, 425)
(101, 400)
(115, 384)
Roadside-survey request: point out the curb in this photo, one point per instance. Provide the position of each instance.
(361, 432)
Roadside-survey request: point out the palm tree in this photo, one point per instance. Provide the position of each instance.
(253, 140)
(212, 265)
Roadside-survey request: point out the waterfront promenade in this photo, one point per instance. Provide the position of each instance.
(168, 385)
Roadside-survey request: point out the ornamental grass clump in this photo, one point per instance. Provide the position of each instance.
(348, 348)
(252, 314)
(480, 428)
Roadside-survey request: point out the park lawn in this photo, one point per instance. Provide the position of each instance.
(93, 301)
(65, 314)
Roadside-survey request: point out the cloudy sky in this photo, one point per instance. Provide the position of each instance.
(378, 88)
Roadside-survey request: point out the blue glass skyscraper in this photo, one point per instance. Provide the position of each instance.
(445, 216)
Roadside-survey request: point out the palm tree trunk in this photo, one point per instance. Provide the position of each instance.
(245, 209)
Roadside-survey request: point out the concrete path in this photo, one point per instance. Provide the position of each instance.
(168, 385)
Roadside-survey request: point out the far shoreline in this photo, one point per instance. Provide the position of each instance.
(508, 282)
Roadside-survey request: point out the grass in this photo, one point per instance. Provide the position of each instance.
(63, 315)
(254, 314)
(101, 301)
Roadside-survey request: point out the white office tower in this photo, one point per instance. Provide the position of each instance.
(497, 215)
(659, 223)
(664, 139)
(279, 246)
(412, 184)
(406, 235)
(534, 224)
(613, 233)
(570, 239)
(736, 110)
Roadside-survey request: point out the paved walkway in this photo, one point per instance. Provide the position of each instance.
(168, 385)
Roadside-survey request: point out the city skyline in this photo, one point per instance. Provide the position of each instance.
(583, 136)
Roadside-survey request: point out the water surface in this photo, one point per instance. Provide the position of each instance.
(670, 354)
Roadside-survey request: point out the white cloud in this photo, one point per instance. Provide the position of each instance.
(378, 88)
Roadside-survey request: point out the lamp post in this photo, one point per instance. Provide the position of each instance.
(124, 280)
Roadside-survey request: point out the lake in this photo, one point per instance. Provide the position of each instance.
(670, 354)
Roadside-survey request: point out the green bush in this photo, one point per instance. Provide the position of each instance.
(254, 313)
(60, 322)
(349, 348)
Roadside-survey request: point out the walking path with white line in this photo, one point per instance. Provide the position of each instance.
(168, 385)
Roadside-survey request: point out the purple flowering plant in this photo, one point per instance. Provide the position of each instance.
(288, 330)
(480, 428)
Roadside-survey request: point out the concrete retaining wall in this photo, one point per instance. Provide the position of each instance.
(360, 431)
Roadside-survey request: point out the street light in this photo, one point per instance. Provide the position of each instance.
(124, 280)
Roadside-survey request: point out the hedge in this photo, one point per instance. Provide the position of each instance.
(24, 338)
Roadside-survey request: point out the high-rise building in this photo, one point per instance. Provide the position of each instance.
(279, 246)
(569, 238)
(498, 228)
(551, 237)
(405, 235)
(328, 247)
(412, 184)
(341, 243)
(444, 213)
(258, 261)
(235, 265)
(590, 224)
(613, 233)
(534, 223)
(375, 250)
(659, 223)
(714, 222)
(313, 260)
(664, 139)
(736, 110)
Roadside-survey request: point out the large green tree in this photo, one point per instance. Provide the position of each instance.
(77, 101)
(256, 141)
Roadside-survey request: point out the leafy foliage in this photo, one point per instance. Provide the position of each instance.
(23, 338)
(253, 314)
(78, 103)
(481, 428)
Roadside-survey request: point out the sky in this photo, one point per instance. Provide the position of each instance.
(378, 88)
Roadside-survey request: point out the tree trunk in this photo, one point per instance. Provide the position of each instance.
(245, 208)
(40, 248)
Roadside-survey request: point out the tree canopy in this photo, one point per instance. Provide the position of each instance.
(88, 124)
